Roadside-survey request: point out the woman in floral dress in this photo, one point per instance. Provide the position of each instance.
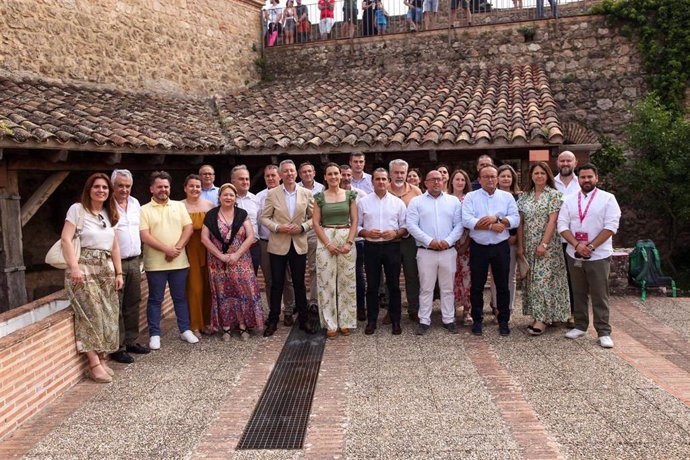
(545, 295)
(235, 295)
(460, 185)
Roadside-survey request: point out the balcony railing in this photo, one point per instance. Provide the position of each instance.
(295, 24)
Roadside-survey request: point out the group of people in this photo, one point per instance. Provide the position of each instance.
(291, 24)
(350, 238)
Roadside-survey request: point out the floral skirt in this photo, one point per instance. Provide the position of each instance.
(95, 303)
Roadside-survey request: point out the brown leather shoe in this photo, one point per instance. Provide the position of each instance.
(370, 329)
(386, 319)
(414, 317)
(331, 334)
(397, 330)
(288, 320)
(345, 331)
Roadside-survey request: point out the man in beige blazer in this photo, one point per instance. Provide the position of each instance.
(287, 214)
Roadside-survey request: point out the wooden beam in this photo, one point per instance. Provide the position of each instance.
(41, 195)
(196, 160)
(2, 154)
(433, 156)
(113, 159)
(12, 277)
(274, 159)
(58, 156)
(156, 159)
(324, 159)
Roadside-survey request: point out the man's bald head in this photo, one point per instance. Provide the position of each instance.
(566, 163)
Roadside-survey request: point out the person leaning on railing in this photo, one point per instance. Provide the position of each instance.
(303, 24)
(326, 17)
(273, 17)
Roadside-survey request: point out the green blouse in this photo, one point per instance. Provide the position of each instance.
(335, 213)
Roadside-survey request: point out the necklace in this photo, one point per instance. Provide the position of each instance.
(223, 216)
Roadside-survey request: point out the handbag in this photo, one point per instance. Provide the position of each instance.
(522, 268)
(55, 257)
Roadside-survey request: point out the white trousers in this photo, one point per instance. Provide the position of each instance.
(432, 266)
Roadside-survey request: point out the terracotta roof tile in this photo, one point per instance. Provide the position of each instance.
(41, 112)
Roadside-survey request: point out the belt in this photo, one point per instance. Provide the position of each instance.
(263, 239)
(127, 259)
(489, 245)
(437, 250)
(335, 226)
(379, 243)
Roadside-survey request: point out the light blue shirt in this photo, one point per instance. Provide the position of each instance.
(316, 188)
(364, 183)
(210, 194)
(439, 218)
(479, 203)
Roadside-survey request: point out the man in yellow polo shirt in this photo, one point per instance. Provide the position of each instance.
(165, 228)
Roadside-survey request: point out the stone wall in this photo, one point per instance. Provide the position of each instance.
(179, 46)
(595, 73)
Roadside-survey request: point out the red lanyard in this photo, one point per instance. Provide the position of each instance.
(589, 203)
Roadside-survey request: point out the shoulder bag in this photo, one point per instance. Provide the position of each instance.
(55, 257)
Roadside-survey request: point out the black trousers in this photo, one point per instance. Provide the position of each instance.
(359, 277)
(130, 301)
(570, 283)
(297, 264)
(255, 252)
(386, 255)
(496, 256)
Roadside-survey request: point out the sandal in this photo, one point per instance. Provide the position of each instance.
(467, 319)
(227, 335)
(244, 334)
(96, 379)
(535, 330)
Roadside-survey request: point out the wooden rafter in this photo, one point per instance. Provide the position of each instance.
(40, 196)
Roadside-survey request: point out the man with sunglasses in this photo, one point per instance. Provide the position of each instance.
(587, 221)
(489, 213)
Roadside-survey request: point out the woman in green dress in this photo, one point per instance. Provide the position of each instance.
(545, 295)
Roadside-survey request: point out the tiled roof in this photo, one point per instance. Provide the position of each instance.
(62, 115)
(493, 106)
(499, 106)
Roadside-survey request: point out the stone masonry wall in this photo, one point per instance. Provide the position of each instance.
(595, 73)
(176, 46)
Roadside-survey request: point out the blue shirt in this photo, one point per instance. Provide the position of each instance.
(210, 194)
(430, 218)
(479, 203)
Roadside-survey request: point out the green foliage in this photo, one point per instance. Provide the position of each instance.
(661, 26)
(528, 32)
(609, 158)
(655, 178)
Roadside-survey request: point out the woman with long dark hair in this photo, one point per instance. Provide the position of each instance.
(93, 278)
(460, 185)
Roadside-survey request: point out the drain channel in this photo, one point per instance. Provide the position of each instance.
(281, 416)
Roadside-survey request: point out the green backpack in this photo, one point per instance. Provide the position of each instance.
(644, 268)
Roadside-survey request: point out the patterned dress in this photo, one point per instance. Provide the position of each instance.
(545, 295)
(235, 294)
(462, 274)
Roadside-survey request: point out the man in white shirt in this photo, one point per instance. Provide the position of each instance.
(208, 190)
(489, 213)
(434, 220)
(346, 183)
(588, 220)
(306, 173)
(272, 179)
(381, 222)
(567, 184)
(360, 179)
(239, 177)
(127, 231)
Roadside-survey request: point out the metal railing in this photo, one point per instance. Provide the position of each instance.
(293, 24)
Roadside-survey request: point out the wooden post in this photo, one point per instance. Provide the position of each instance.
(12, 279)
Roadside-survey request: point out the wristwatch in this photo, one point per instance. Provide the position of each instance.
(590, 246)
(350, 241)
(546, 246)
(498, 219)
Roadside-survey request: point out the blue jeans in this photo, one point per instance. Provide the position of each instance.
(177, 282)
(540, 8)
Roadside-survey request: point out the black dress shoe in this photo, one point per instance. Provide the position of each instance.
(121, 356)
(414, 317)
(397, 330)
(361, 316)
(370, 329)
(138, 349)
(306, 328)
(270, 330)
(288, 321)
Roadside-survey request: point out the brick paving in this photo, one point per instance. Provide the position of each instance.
(384, 396)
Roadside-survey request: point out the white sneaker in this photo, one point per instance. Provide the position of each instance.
(574, 334)
(188, 336)
(605, 341)
(155, 342)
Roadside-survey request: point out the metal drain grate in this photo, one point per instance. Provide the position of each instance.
(281, 416)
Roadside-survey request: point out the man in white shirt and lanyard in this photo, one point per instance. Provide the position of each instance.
(272, 179)
(306, 173)
(434, 220)
(360, 179)
(239, 177)
(208, 190)
(567, 184)
(382, 224)
(127, 231)
(489, 213)
(588, 220)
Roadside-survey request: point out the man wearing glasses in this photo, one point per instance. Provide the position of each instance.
(208, 190)
(489, 213)
(434, 220)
